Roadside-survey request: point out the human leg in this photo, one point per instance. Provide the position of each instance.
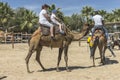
(60, 27)
(51, 26)
(106, 33)
(109, 47)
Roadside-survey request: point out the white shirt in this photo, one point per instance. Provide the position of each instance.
(53, 16)
(98, 19)
(42, 18)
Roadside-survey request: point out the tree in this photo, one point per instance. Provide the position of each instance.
(6, 15)
(116, 13)
(26, 20)
(87, 12)
(59, 13)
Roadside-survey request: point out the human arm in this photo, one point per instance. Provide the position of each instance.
(45, 14)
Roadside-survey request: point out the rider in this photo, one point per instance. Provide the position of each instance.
(90, 42)
(99, 23)
(44, 19)
(55, 20)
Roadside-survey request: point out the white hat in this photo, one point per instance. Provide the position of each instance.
(90, 34)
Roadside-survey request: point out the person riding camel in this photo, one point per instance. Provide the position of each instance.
(44, 19)
(99, 23)
(55, 20)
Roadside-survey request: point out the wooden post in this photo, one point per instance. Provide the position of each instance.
(79, 43)
(12, 40)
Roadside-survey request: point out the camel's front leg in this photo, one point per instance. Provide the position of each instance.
(59, 58)
(27, 60)
(66, 58)
(93, 55)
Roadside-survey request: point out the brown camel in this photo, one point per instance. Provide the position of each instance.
(99, 41)
(62, 42)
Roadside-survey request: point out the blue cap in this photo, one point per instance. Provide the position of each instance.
(54, 11)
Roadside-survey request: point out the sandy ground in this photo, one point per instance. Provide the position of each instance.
(13, 67)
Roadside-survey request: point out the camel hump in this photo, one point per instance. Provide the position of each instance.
(37, 32)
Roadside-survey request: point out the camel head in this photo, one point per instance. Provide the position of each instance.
(84, 32)
(86, 28)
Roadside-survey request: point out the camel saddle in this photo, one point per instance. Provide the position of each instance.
(46, 30)
(100, 29)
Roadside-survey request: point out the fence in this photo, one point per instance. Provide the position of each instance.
(15, 38)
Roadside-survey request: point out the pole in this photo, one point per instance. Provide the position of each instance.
(12, 40)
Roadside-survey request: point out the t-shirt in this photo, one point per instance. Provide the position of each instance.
(42, 18)
(53, 18)
(98, 19)
(89, 41)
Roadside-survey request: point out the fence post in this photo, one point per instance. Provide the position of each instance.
(12, 40)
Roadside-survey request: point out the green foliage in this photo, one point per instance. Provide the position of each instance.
(24, 20)
(6, 15)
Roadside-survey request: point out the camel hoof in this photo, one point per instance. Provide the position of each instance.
(30, 71)
(43, 70)
(57, 70)
(94, 66)
(68, 70)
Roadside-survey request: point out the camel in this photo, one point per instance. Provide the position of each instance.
(62, 42)
(99, 41)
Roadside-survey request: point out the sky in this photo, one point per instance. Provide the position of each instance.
(68, 7)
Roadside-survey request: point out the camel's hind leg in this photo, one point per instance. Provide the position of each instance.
(100, 52)
(38, 52)
(103, 54)
(59, 58)
(28, 57)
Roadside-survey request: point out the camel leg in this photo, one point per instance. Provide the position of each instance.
(27, 59)
(103, 58)
(100, 52)
(38, 52)
(66, 57)
(93, 55)
(59, 58)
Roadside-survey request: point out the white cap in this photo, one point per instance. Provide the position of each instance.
(90, 34)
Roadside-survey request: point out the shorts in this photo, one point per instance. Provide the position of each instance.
(56, 22)
(46, 23)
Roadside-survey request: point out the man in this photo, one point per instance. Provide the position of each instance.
(99, 23)
(109, 45)
(44, 19)
(90, 42)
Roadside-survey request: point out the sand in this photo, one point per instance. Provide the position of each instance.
(13, 67)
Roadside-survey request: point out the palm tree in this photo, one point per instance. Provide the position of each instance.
(6, 15)
(87, 12)
(26, 20)
(116, 13)
(109, 17)
(59, 13)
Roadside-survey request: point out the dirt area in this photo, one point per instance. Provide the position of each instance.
(13, 67)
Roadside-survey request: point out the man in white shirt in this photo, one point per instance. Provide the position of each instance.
(99, 23)
(44, 19)
(55, 19)
(109, 45)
